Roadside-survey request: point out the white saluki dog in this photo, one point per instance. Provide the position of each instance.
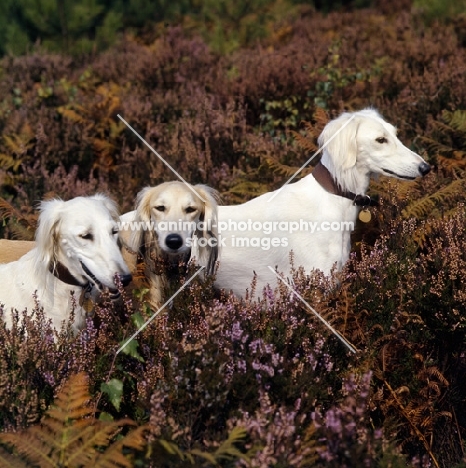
(172, 222)
(76, 251)
(257, 234)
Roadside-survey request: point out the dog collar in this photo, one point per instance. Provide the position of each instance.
(324, 178)
(63, 274)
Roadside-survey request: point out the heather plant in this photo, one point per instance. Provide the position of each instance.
(215, 379)
(411, 301)
(343, 429)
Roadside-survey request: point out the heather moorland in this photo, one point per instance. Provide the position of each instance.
(236, 99)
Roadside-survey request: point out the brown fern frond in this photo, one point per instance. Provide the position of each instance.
(8, 460)
(431, 390)
(103, 147)
(378, 395)
(426, 205)
(22, 225)
(227, 450)
(442, 127)
(434, 146)
(68, 433)
(72, 115)
(310, 447)
(458, 161)
(72, 401)
(433, 372)
(423, 232)
(19, 143)
(7, 210)
(321, 118)
(408, 415)
(113, 456)
(21, 232)
(245, 190)
(306, 142)
(308, 139)
(309, 128)
(283, 170)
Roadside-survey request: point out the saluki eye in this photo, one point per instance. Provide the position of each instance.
(160, 208)
(190, 209)
(87, 236)
(114, 231)
(381, 140)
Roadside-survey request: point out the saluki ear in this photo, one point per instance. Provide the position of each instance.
(208, 250)
(338, 139)
(109, 204)
(142, 230)
(48, 232)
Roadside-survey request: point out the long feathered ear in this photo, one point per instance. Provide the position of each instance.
(142, 235)
(338, 139)
(48, 232)
(208, 252)
(109, 204)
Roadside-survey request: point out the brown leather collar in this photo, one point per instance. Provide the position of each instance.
(63, 274)
(325, 179)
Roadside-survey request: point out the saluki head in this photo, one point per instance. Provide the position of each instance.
(180, 220)
(81, 234)
(358, 144)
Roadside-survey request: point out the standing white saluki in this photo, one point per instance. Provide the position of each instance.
(76, 251)
(313, 217)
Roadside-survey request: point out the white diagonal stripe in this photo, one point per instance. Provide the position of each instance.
(158, 311)
(160, 157)
(335, 332)
(309, 160)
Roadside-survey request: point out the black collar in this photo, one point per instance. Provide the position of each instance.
(63, 274)
(324, 178)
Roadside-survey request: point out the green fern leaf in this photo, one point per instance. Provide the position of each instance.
(228, 450)
(9, 163)
(456, 119)
(173, 449)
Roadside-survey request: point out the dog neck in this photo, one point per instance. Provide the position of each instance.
(324, 178)
(63, 274)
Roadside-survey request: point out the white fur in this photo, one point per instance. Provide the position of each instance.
(172, 202)
(366, 145)
(83, 229)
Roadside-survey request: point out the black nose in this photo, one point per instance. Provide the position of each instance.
(174, 241)
(125, 279)
(424, 168)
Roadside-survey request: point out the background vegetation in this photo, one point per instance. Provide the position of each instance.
(234, 94)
